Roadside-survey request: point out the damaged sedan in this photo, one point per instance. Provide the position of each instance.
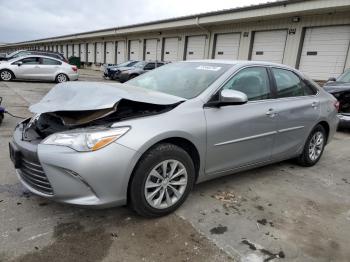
(147, 142)
(340, 89)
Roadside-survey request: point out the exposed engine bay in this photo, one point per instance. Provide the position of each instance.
(71, 106)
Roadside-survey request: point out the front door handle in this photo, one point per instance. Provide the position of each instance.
(271, 112)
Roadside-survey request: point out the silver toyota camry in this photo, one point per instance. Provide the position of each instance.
(37, 67)
(147, 142)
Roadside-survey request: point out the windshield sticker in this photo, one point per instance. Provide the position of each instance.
(209, 68)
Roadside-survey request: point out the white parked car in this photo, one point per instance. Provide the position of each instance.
(37, 67)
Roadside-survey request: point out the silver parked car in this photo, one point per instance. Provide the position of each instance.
(37, 67)
(147, 142)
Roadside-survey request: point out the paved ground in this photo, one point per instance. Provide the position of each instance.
(281, 212)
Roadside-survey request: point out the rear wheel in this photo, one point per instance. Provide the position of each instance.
(6, 75)
(314, 147)
(60, 78)
(162, 181)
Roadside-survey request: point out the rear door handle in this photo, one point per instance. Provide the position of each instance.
(271, 112)
(314, 104)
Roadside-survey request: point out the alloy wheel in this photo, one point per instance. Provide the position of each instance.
(316, 146)
(61, 78)
(5, 75)
(166, 184)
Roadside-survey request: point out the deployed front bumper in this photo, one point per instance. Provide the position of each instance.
(98, 178)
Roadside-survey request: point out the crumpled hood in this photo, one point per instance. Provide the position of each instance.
(84, 96)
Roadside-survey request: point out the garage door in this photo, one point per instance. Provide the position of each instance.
(227, 46)
(64, 50)
(269, 46)
(100, 53)
(76, 50)
(120, 52)
(324, 51)
(171, 49)
(70, 50)
(83, 52)
(151, 49)
(91, 53)
(110, 53)
(134, 49)
(195, 47)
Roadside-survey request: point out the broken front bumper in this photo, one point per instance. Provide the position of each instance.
(98, 178)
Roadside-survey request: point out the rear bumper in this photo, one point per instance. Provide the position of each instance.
(94, 179)
(73, 77)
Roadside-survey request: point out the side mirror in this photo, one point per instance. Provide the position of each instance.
(233, 97)
(332, 79)
(19, 63)
(229, 97)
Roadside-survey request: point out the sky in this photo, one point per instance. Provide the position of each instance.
(22, 20)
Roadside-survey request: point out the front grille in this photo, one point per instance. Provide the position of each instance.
(34, 176)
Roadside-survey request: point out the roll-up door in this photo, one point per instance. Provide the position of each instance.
(110, 53)
(83, 52)
(76, 50)
(151, 49)
(227, 46)
(70, 50)
(134, 49)
(171, 49)
(324, 51)
(120, 52)
(91, 52)
(269, 46)
(195, 48)
(100, 53)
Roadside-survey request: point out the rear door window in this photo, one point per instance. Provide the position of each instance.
(48, 61)
(288, 84)
(150, 66)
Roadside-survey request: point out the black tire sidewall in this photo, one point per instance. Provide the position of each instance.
(152, 158)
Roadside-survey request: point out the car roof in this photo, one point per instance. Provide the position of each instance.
(239, 63)
(43, 56)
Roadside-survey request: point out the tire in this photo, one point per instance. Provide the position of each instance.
(312, 153)
(61, 78)
(6, 75)
(145, 174)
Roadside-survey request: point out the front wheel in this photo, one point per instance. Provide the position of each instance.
(314, 147)
(6, 75)
(162, 181)
(60, 78)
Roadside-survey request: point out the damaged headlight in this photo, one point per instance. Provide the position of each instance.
(87, 139)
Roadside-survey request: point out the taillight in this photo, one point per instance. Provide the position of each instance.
(75, 69)
(337, 105)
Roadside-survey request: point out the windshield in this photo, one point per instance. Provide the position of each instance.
(184, 79)
(140, 64)
(345, 77)
(126, 64)
(13, 53)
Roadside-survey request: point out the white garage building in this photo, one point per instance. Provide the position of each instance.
(312, 35)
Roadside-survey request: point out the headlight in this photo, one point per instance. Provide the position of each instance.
(87, 139)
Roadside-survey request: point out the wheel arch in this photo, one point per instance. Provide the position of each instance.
(182, 142)
(58, 73)
(8, 69)
(326, 127)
